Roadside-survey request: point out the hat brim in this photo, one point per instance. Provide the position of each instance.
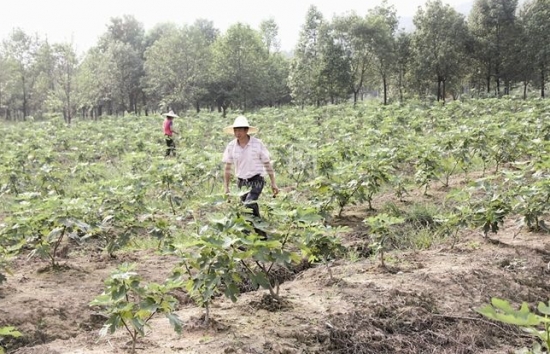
(229, 130)
(171, 115)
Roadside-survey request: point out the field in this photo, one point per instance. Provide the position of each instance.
(394, 226)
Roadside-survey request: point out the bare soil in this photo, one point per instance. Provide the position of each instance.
(423, 302)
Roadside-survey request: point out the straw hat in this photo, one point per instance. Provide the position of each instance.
(240, 122)
(171, 114)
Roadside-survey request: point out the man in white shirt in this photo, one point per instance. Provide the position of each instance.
(251, 160)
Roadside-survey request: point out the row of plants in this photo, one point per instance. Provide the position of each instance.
(106, 182)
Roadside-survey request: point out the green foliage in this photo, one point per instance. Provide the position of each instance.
(535, 324)
(238, 59)
(4, 263)
(234, 248)
(130, 305)
(46, 226)
(211, 259)
(8, 332)
(439, 45)
(486, 206)
(305, 68)
(108, 184)
(324, 246)
(381, 230)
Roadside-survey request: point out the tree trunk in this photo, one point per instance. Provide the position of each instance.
(542, 82)
(497, 78)
(524, 90)
(144, 102)
(438, 89)
(444, 93)
(68, 95)
(384, 82)
(25, 103)
(400, 85)
(224, 110)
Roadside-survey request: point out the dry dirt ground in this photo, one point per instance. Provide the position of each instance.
(424, 303)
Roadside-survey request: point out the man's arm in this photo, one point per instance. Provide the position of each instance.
(271, 173)
(227, 177)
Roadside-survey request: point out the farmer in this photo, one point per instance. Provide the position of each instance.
(251, 160)
(169, 132)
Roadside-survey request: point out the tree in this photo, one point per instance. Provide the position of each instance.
(177, 68)
(335, 74)
(124, 45)
(491, 23)
(353, 34)
(95, 83)
(125, 71)
(270, 32)
(535, 15)
(8, 83)
(403, 59)
(44, 71)
(383, 22)
(159, 31)
(20, 50)
(66, 64)
(439, 45)
(238, 68)
(274, 89)
(125, 29)
(306, 65)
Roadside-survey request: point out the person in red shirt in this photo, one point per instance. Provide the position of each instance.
(169, 132)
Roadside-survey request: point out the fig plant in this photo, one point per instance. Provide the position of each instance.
(130, 305)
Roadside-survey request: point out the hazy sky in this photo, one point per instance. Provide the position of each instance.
(83, 21)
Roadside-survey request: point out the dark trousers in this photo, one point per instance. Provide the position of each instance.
(256, 184)
(171, 145)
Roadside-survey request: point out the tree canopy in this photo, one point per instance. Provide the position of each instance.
(499, 48)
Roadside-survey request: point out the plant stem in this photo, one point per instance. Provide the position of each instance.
(170, 199)
(58, 242)
(134, 340)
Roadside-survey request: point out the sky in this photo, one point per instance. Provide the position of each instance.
(81, 22)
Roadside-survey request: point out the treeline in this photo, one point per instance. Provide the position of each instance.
(498, 48)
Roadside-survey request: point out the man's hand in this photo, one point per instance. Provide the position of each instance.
(275, 189)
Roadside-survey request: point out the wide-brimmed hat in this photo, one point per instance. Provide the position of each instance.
(240, 122)
(171, 114)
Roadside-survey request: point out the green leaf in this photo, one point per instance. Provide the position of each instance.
(231, 292)
(138, 324)
(149, 304)
(502, 311)
(228, 242)
(543, 308)
(175, 322)
(101, 300)
(260, 279)
(9, 331)
(119, 293)
(54, 234)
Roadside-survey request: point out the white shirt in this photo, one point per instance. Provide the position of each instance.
(249, 160)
